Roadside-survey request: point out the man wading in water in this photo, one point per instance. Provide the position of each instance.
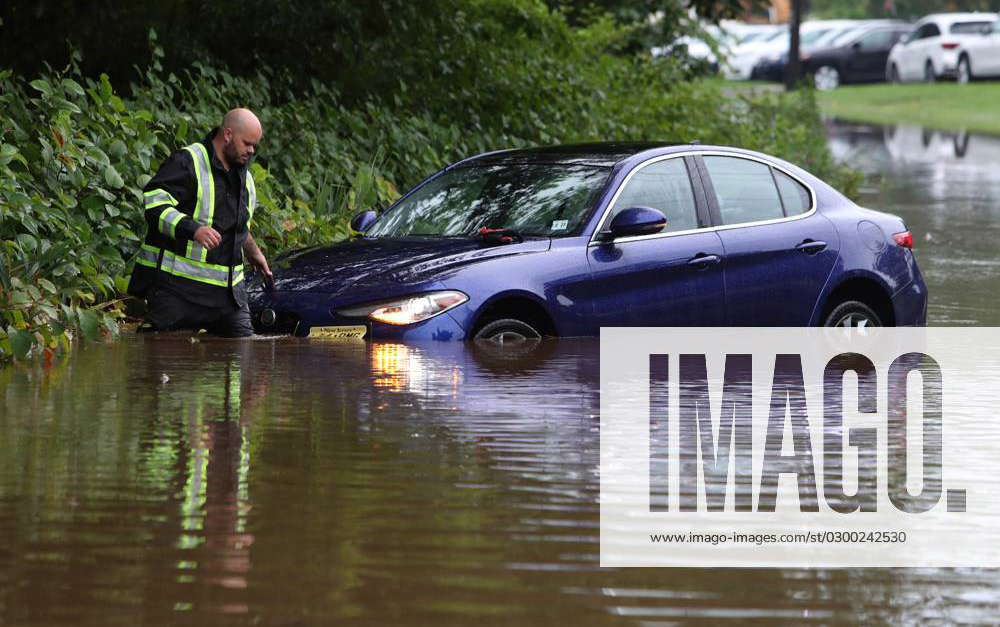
(198, 208)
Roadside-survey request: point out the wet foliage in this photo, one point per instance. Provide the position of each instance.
(344, 130)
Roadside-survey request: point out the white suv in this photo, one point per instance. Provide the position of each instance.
(935, 46)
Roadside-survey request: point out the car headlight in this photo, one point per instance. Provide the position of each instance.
(408, 310)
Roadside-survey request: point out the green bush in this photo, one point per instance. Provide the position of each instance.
(74, 154)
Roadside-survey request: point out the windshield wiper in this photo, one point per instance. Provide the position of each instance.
(500, 236)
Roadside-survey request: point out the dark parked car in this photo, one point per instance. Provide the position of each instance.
(564, 240)
(857, 58)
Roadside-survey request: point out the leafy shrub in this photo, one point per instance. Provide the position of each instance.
(74, 154)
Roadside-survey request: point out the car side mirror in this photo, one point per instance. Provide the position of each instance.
(636, 221)
(363, 221)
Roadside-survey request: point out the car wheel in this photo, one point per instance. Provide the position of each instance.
(852, 313)
(964, 71)
(826, 78)
(508, 331)
(929, 76)
(894, 74)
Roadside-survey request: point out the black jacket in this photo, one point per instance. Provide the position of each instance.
(176, 177)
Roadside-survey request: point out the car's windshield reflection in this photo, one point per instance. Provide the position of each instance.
(530, 199)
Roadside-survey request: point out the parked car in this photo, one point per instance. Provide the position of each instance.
(979, 57)
(773, 67)
(936, 45)
(859, 57)
(565, 240)
(745, 58)
(742, 58)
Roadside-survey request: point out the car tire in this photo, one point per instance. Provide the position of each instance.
(964, 73)
(894, 74)
(826, 78)
(929, 76)
(852, 313)
(507, 331)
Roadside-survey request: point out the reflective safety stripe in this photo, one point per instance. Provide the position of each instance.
(211, 273)
(251, 196)
(156, 197)
(169, 218)
(205, 204)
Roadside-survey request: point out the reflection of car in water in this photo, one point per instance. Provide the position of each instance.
(562, 241)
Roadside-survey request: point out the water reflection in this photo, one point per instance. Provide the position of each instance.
(944, 185)
(295, 482)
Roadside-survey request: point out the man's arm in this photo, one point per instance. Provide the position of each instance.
(173, 186)
(256, 258)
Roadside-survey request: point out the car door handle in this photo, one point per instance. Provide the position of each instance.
(702, 260)
(810, 247)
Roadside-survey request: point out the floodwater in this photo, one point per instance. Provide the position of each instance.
(293, 482)
(946, 186)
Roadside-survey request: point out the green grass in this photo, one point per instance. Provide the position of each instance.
(943, 106)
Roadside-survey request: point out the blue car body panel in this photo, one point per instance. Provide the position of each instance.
(756, 275)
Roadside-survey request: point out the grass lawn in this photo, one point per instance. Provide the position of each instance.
(943, 106)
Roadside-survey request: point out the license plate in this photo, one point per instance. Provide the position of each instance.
(348, 332)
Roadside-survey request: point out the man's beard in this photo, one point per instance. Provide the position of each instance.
(232, 155)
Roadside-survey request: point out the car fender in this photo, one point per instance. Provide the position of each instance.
(834, 281)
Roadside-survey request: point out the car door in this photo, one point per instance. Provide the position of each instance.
(869, 55)
(779, 251)
(670, 278)
(917, 50)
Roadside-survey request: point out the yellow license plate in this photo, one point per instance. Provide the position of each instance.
(349, 332)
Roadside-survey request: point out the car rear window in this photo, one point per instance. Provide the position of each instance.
(663, 185)
(968, 28)
(745, 190)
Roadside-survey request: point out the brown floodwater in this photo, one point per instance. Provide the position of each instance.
(294, 482)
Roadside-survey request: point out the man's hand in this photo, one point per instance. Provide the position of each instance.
(256, 259)
(259, 263)
(207, 237)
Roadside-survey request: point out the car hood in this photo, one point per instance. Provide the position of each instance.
(368, 262)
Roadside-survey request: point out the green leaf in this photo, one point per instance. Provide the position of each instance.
(43, 86)
(27, 242)
(20, 343)
(48, 286)
(72, 87)
(112, 178)
(118, 148)
(88, 324)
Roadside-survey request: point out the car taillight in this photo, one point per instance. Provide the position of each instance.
(904, 239)
(949, 45)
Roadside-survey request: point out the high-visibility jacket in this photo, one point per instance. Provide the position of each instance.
(190, 190)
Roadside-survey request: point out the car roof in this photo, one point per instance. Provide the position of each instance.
(605, 154)
(951, 18)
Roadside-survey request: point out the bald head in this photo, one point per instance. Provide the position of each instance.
(242, 120)
(237, 139)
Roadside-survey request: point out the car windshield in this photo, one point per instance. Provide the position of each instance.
(847, 36)
(833, 35)
(531, 199)
(812, 36)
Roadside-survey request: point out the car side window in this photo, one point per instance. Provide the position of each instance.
(745, 190)
(664, 185)
(878, 40)
(794, 196)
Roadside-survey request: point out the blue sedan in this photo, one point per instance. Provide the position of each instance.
(564, 240)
